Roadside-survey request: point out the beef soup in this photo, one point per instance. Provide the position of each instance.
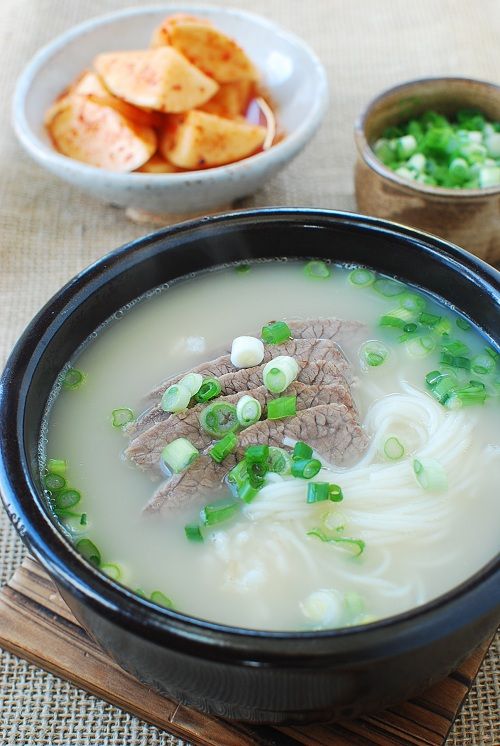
(280, 446)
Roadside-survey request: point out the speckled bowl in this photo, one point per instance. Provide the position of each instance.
(290, 70)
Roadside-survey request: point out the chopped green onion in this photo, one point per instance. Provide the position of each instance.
(209, 389)
(413, 302)
(489, 351)
(247, 493)
(83, 519)
(54, 482)
(256, 474)
(455, 361)
(305, 468)
(361, 278)
(455, 347)
(393, 448)
(193, 532)
(218, 419)
(247, 352)
(430, 475)
(279, 373)
(73, 378)
(215, 513)
(278, 461)
(242, 269)
(192, 382)
(474, 393)
(112, 570)
(323, 608)
(179, 455)
(139, 592)
(317, 270)
(441, 384)
(157, 597)
(410, 328)
(176, 398)
(257, 454)
(66, 499)
(483, 364)
(373, 354)
(321, 491)
(388, 288)
(285, 406)
(275, 333)
(57, 466)
(238, 475)
(420, 346)
(429, 319)
(223, 447)
(354, 605)
(355, 546)
(89, 551)
(121, 417)
(248, 411)
(334, 520)
(302, 450)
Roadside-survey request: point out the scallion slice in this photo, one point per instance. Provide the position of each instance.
(215, 513)
(247, 492)
(54, 482)
(179, 455)
(121, 417)
(242, 269)
(285, 406)
(388, 288)
(248, 411)
(192, 382)
(393, 448)
(463, 324)
(257, 454)
(321, 491)
(209, 389)
(354, 546)
(413, 303)
(278, 461)
(473, 393)
(223, 447)
(302, 450)
(279, 373)
(361, 277)
(482, 364)
(430, 475)
(193, 532)
(429, 319)
(420, 346)
(218, 419)
(157, 597)
(73, 379)
(373, 353)
(57, 466)
(176, 398)
(455, 361)
(305, 468)
(317, 270)
(112, 570)
(66, 499)
(455, 347)
(89, 551)
(275, 333)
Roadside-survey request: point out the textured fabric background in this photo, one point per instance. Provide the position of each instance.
(49, 232)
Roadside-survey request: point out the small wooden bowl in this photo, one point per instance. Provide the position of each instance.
(468, 217)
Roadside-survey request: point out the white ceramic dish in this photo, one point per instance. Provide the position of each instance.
(290, 71)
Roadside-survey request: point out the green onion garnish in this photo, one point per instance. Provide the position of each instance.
(317, 270)
(279, 462)
(373, 353)
(73, 378)
(279, 373)
(455, 361)
(483, 364)
(209, 389)
(215, 513)
(57, 466)
(302, 450)
(218, 419)
(321, 491)
(66, 499)
(223, 447)
(83, 519)
(361, 278)
(420, 346)
(275, 333)
(89, 551)
(355, 546)
(388, 288)
(430, 475)
(413, 302)
(179, 455)
(242, 269)
(176, 398)
(473, 393)
(441, 384)
(429, 319)
(393, 448)
(305, 468)
(121, 417)
(193, 532)
(54, 482)
(161, 599)
(463, 324)
(257, 454)
(285, 406)
(247, 492)
(257, 473)
(455, 347)
(248, 411)
(192, 382)
(112, 570)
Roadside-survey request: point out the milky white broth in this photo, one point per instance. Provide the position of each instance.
(257, 572)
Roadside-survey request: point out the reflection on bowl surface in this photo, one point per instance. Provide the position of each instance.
(311, 671)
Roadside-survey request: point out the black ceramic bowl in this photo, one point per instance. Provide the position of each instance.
(255, 676)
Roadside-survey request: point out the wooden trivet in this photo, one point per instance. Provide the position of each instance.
(37, 625)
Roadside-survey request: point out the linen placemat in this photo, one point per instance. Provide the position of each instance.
(49, 232)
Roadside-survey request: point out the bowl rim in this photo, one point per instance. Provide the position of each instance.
(282, 150)
(367, 153)
(27, 511)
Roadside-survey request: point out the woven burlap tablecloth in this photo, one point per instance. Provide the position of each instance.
(49, 232)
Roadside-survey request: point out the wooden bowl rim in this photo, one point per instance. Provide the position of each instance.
(367, 154)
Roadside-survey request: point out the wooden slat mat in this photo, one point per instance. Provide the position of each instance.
(37, 625)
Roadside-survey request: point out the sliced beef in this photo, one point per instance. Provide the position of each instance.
(145, 450)
(331, 429)
(337, 330)
(307, 350)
